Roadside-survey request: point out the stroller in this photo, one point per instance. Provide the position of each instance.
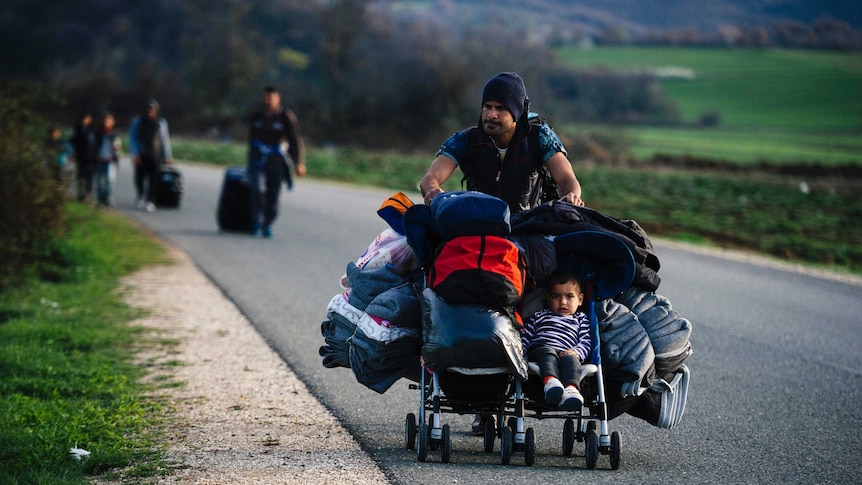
(500, 388)
(478, 374)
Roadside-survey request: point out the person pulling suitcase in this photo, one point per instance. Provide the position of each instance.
(272, 129)
(150, 147)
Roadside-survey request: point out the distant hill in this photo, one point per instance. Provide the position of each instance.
(637, 17)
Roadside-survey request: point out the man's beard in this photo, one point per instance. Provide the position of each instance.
(492, 126)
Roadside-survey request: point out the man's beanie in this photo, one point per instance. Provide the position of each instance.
(508, 89)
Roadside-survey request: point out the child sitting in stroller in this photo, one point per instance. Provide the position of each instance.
(557, 338)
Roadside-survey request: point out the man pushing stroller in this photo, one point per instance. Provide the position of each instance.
(528, 156)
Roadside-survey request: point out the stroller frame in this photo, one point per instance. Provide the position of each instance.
(430, 434)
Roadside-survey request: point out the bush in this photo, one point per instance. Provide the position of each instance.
(710, 118)
(601, 94)
(31, 196)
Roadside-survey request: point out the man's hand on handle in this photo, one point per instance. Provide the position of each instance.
(431, 193)
(573, 199)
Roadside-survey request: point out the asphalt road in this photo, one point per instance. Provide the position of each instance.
(776, 370)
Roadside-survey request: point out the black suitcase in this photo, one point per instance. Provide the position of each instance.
(169, 188)
(234, 203)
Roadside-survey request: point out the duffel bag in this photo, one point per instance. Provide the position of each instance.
(469, 213)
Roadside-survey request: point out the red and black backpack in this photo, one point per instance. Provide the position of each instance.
(479, 270)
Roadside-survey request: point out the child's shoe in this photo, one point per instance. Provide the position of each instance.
(553, 391)
(571, 399)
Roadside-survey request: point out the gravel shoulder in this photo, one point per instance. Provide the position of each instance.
(241, 415)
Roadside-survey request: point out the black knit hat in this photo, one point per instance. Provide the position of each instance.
(507, 88)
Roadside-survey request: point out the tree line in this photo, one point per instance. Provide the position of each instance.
(353, 71)
(823, 34)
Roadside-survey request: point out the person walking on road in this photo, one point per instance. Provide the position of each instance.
(107, 151)
(82, 141)
(150, 147)
(274, 144)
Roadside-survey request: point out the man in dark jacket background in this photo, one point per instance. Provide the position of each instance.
(270, 130)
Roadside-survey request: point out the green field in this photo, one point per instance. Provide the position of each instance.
(784, 106)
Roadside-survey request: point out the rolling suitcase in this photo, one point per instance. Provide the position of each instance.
(169, 189)
(234, 204)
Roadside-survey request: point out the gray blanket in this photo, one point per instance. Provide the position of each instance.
(643, 338)
(383, 293)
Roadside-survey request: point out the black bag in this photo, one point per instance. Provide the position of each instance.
(549, 190)
(471, 336)
(234, 204)
(169, 188)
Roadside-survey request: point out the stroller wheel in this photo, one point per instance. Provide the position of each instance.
(506, 445)
(568, 437)
(490, 435)
(410, 432)
(529, 447)
(445, 445)
(591, 450)
(616, 444)
(422, 447)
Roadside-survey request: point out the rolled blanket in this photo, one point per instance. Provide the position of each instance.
(377, 355)
(336, 334)
(663, 405)
(668, 332)
(627, 354)
(377, 367)
(400, 305)
(369, 327)
(366, 284)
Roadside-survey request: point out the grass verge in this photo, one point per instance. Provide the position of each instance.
(65, 371)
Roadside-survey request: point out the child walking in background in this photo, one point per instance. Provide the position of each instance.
(107, 151)
(58, 151)
(558, 340)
